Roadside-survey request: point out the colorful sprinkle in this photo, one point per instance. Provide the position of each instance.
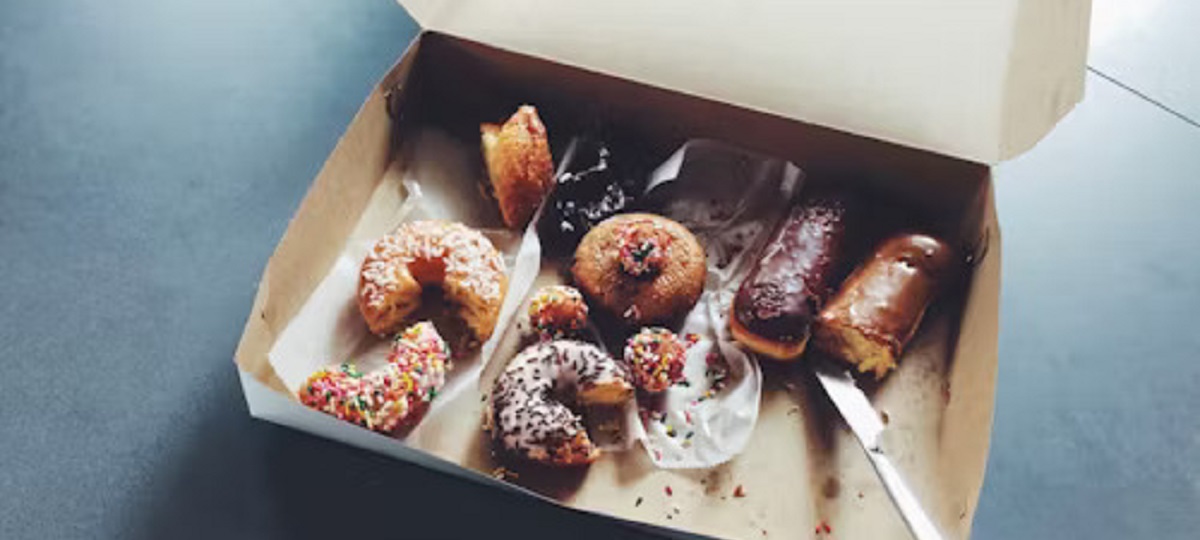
(557, 311)
(382, 400)
(657, 357)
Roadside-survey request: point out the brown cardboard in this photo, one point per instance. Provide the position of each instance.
(802, 467)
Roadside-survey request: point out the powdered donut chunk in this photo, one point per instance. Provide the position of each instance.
(419, 254)
(393, 396)
(557, 311)
(528, 421)
(643, 268)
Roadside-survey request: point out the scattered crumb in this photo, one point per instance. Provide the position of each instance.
(739, 492)
(831, 488)
(638, 502)
(669, 491)
(860, 494)
(669, 516)
(703, 481)
(500, 473)
(675, 509)
(822, 528)
(764, 531)
(883, 416)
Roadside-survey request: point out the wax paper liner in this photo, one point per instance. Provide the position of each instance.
(731, 199)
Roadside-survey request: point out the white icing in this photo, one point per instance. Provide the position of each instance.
(527, 418)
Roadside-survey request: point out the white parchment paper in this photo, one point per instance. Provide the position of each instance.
(731, 200)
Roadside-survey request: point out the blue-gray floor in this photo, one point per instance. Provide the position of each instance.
(152, 152)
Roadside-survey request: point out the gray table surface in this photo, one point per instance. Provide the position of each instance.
(151, 154)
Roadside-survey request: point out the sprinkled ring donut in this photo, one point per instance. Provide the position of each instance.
(390, 397)
(459, 259)
(527, 420)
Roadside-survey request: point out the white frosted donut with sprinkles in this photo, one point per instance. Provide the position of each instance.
(419, 254)
(527, 419)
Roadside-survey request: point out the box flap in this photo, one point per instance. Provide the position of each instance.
(980, 80)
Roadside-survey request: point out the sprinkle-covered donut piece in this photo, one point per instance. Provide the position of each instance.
(557, 311)
(642, 247)
(459, 259)
(527, 419)
(656, 357)
(394, 395)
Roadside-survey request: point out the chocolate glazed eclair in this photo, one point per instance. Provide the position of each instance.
(879, 307)
(798, 270)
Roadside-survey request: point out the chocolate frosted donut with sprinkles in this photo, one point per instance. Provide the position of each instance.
(526, 417)
(419, 254)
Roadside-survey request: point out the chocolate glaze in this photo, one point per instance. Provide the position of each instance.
(594, 188)
(797, 269)
(885, 298)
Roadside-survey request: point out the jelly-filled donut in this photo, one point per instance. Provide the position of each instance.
(419, 254)
(390, 397)
(656, 357)
(642, 268)
(526, 417)
(557, 311)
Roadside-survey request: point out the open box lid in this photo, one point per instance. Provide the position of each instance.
(981, 80)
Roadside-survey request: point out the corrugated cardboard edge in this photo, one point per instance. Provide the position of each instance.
(1043, 84)
(326, 217)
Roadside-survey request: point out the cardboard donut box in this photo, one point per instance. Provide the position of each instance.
(908, 100)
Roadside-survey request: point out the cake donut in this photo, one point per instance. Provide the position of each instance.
(642, 268)
(390, 397)
(797, 270)
(557, 311)
(517, 156)
(419, 254)
(526, 418)
(656, 357)
(879, 307)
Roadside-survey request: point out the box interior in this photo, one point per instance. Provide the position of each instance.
(947, 379)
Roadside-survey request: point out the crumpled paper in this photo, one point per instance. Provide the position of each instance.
(731, 200)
